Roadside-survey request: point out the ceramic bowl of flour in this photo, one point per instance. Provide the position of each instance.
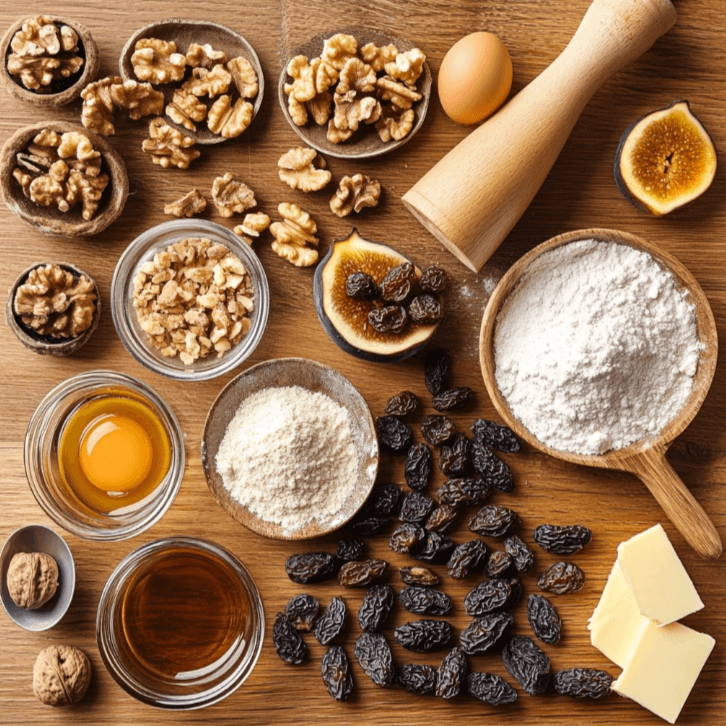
(289, 449)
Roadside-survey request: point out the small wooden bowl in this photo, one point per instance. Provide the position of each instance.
(73, 84)
(365, 143)
(184, 33)
(644, 458)
(49, 219)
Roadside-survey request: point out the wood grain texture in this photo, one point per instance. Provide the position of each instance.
(579, 192)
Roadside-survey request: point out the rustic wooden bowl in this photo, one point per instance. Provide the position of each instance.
(644, 458)
(184, 33)
(365, 143)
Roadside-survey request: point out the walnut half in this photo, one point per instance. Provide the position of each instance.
(297, 170)
(293, 235)
(354, 193)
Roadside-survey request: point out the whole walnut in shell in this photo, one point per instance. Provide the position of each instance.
(32, 579)
(61, 675)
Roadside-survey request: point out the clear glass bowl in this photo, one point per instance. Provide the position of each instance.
(143, 248)
(156, 681)
(43, 470)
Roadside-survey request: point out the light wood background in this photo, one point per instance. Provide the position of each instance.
(580, 192)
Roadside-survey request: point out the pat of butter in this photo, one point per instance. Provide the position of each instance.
(659, 581)
(663, 667)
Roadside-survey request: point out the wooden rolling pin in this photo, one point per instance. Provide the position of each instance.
(474, 196)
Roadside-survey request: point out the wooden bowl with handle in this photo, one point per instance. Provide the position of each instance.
(644, 458)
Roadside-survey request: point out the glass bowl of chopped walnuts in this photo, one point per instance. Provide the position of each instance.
(190, 300)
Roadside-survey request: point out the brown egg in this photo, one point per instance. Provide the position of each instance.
(475, 78)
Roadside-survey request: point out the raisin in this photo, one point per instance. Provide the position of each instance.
(437, 368)
(583, 683)
(350, 549)
(543, 618)
(331, 622)
(437, 548)
(466, 491)
(374, 655)
(389, 319)
(490, 688)
(493, 521)
(466, 557)
(418, 679)
(488, 597)
(493, 434)
(418, 467)
(375, 608)
(407, 538)
(562, 540)
(440, 518)
(485, 632)
(491, 468)
(397, 284)
(337, 676)
(453, 399)
(365, 526)
(402, 404)
(382, 501)
(301, 611)
(419, 576)
(424, 601)
(499, 565)
(361, 286)
(425, 309)
(562, 578)
(522, 556)
(437, 429)
(393, 433)
(451, 674)
(358, 574)
(517, 591)
(311, 567)
(433, 279)
(288, 642)
(527, 664)
(455, 456)
(423, 636)
(416, 507)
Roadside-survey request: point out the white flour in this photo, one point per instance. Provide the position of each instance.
(596, 347)
(289, 456)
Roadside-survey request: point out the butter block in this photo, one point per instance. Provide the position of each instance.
(659, 581)
(663, 667)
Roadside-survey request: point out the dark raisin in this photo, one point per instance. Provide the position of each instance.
(496, 435)
(382, 501)
(288, 642)
(337, 675)
(331, 622)
(544, 619)
(402, 404)
(416, 507)
(375, 608)
(361, 286)
(453, 399)
(467, 557)
(562, 540)
(437, 548)
(419, 576)
(374, 655)
(301, 611)
(527, 664)
(397, 284)
(365, 526)
(425, 601)
(466, 491)
(562, 578)
(491, 467)
(485, 632)
(418, 467)
(522, 556)
(433, 279)
(583, 683)
(311, 567)
(440, 518)
(351, 549)
(490, 688)
(498, 565)
(423, 636)
(389, 319)
(437, 429)
(451, 674)
(488, 597)
(437, 368)
(455, 456)
(425, 309)
(418, 679)
(393, 433)
(358, 574)
(493, 520)
(517, 591)
(407, 538)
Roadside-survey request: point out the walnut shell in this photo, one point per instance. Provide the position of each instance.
(61, 675)
(32, 579)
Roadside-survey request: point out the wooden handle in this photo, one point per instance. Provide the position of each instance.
(678, 503)
(474, 196)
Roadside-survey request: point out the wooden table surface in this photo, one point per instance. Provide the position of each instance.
(687, 63)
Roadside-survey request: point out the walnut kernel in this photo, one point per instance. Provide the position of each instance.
(232, 195)
(397, 93)
(168, 146)
(395, 126)
(185, 108)
(338, 49)
(244, 77)
(190, 204)
(210, 83)
(354, 193)
(319, 108)
(205, 56)
(229, 120)
(252, 226)
(352, 109)
(61, 675)
(406, 67)
(293, 234)
(378, 56)
(297, 170)
(32, 579)
(356, 76)
(157, 61)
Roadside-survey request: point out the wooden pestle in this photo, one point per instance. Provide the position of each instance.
(474, 196)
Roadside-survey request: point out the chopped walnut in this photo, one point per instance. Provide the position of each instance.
(157, 61)
(204, 56)
(191, 203)
(232, 195)
(406, 67)
(397, 93)
(320, 108)
(356, 76)
(229, 120)
(297, 170)
(210, 83)
(354, 193)
(252, 226)
(168, 146)
(352, 109)
(244, 77)
(338, 49)
(53, 302)
(336, 135)
(396, 127)
(185, 108)
(378, 56)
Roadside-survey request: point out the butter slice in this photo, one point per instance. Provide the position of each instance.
(663, 667)
(659, 581)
